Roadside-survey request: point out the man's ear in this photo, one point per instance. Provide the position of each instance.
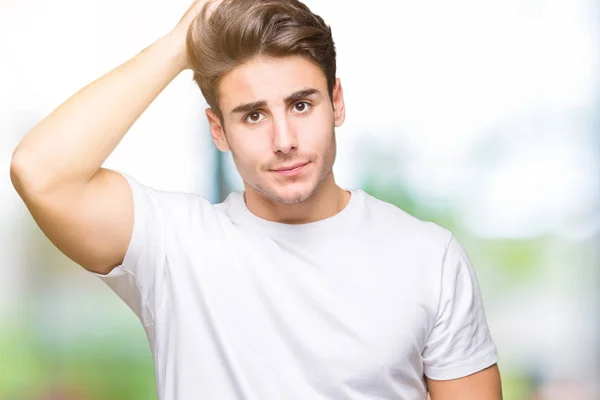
(217, 131)
(339, 108)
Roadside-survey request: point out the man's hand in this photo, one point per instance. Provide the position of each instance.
(180, 30)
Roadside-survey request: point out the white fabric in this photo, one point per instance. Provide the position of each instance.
(357, 306)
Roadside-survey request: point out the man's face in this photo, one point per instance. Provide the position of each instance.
(277, 114)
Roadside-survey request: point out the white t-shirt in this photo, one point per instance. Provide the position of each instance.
(360, 305)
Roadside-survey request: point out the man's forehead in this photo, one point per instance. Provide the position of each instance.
(270, 80)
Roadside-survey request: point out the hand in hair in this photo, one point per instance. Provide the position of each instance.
(190, 15)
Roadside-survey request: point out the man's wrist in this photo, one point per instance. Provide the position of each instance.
(174, 45)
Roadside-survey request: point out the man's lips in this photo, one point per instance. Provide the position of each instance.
(290, 170)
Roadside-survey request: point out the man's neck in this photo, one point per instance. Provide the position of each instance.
(328, 200)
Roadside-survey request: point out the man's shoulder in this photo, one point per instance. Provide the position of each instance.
(174, 206)
(394, 219)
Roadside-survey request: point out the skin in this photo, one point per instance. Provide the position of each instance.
(280, 133)
(482, 385)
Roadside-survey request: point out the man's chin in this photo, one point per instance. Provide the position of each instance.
(291, 198)
(291, 194)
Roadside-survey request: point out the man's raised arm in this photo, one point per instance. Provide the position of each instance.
(86, 210)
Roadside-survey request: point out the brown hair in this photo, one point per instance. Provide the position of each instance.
(239, 30)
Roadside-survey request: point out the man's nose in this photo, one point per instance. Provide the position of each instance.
(284, 135)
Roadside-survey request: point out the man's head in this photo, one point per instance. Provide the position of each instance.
(267, 70)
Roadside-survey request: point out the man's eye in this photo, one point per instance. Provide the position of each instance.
(254, 117)
(302, 107)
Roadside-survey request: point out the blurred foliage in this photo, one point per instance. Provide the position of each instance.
(520, 260)
(516, 386)
(88, 368)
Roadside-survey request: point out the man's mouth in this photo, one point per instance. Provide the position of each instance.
(290, 169)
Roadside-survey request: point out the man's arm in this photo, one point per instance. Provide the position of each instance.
(85, 210)
(482, 385)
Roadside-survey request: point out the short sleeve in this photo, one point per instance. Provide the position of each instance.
(460, 343)
(135, 280)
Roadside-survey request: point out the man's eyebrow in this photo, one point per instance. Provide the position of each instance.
(300, 94)
(244, 108)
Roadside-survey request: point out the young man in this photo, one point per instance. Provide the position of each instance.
(294, 288)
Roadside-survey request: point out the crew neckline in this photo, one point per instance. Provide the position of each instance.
(241, 215)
